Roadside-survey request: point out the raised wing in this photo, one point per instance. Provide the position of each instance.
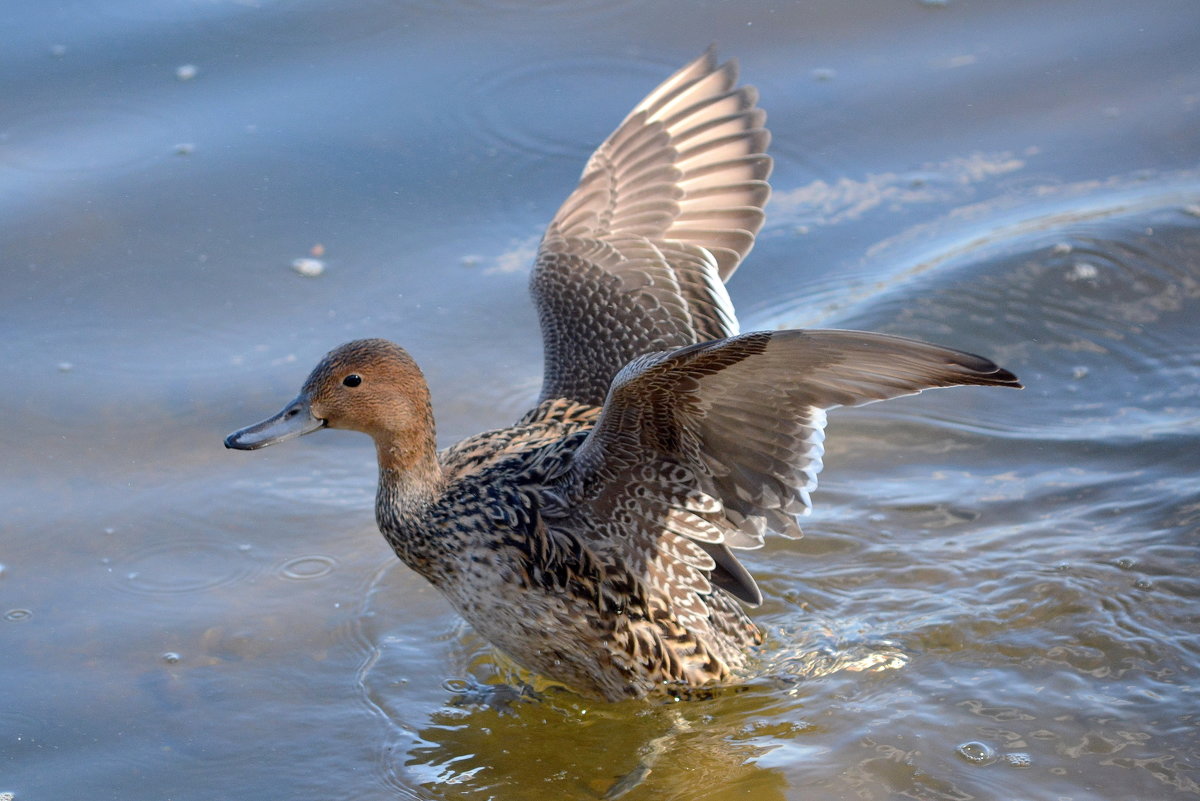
(704, 448)
(635, 260)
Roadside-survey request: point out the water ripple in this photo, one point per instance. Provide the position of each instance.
(183, 566)
(303, 568)
(510, 107)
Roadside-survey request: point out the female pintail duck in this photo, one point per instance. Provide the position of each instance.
(591, 541)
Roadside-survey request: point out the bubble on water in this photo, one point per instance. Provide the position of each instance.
(185, 149)
(17, 615)
(171, 658)
(1061, 249)
(824, 74)
(977, 753)
(185, 72)
(309, 268)
(1078, 372)
(1192, 209)
(1019, 760)
(65, 367)
(58, 50)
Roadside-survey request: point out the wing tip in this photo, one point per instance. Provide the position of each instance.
(984, 372)
(1006, 378)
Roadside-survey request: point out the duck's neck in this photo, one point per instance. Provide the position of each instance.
(408, 468)
(410, 482)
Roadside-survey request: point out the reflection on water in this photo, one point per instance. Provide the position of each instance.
(995, 596)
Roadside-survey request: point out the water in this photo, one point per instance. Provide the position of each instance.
(996, 595)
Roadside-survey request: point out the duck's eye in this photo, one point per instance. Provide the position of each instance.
(352, 380)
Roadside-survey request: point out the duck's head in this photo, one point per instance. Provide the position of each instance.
(369, 385)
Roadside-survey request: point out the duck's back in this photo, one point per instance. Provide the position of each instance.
(544, 425)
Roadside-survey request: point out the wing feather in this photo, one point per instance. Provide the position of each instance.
(740, 421)
(666, 209)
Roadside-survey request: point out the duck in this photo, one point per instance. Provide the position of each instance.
(593, 542)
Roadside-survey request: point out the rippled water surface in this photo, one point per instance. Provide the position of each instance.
(996, 597)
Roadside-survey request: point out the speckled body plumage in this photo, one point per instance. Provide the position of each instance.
(527, 578)
(593, 541)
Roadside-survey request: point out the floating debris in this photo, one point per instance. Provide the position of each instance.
(185, 149)
(309, 268)
(1083, 271)
(470, 260)
(185, 72)
(824, 74)
(65, 367)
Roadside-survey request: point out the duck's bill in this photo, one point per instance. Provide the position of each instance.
(294, 420)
